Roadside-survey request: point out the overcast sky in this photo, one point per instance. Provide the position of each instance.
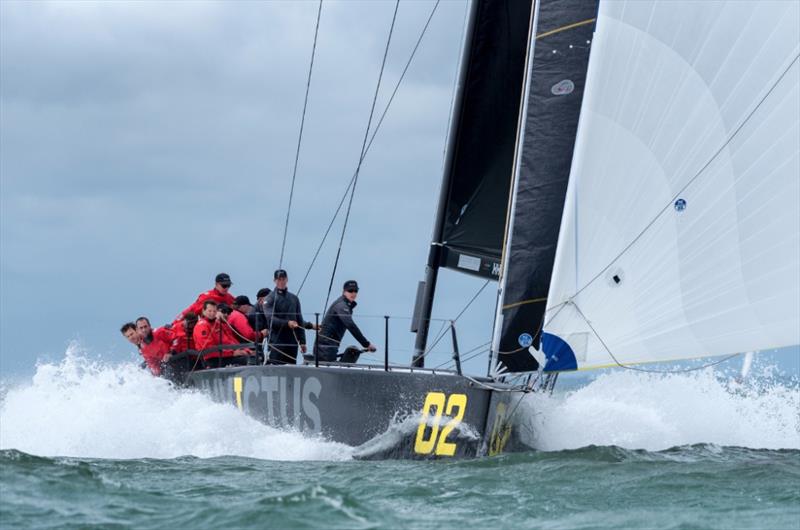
(147, 146)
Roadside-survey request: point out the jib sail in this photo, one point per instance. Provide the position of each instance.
(681, 231)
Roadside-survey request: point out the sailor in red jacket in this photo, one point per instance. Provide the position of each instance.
(212, 330)
(155, 344)
(238, 322)
(218, 294)
(183, 338)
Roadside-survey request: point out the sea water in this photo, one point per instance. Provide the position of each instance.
(89, 445)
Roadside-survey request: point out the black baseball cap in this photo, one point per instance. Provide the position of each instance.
(241, 300)
(280, 273)
(223, 278)
(264, 291)
(350, 285)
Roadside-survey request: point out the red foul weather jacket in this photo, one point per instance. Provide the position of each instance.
(213, 294)
(217, 333)
(155, 351)
(181, 341)
(241, 327)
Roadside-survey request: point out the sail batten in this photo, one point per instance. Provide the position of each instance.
(680, 232)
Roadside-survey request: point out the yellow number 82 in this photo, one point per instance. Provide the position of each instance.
(436, 404)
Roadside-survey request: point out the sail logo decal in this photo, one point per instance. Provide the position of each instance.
(563, 88)
(525, 340)
(429, 440)
(559, 354)
(469, 262)
(680, 205)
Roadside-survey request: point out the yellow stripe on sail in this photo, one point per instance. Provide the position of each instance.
(565, 28)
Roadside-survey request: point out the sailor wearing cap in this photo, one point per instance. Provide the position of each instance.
(284, 317)
(255, 315)
(219, 294)
(338, 319)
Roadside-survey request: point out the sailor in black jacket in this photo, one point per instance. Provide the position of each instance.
(285, 321)
(338, 319)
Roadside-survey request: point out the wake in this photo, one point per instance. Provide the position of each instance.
(85, 408)
(637, 410)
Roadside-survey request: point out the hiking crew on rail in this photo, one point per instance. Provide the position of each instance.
(220, 330)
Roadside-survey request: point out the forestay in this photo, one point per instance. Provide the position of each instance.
(681, 231)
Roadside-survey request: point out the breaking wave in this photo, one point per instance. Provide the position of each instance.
(650, 411)
(85, 408)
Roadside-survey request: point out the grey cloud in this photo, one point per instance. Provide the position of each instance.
(144, 147)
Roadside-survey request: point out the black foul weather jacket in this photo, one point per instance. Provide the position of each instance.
(338, 319)
(280, 307)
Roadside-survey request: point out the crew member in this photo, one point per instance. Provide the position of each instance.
(219, 294)
(183, 339)
(338, 319)
(285, 322)
(155, 344)
(211, 331)
(238, 323)
(128, 330)
(256, 317)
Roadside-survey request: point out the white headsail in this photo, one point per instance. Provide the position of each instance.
(681, 232)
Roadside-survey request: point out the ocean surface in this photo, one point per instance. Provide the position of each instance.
(88, 445)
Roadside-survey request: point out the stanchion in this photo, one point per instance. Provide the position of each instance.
(386, 347)
(316, 341)
(456, 354)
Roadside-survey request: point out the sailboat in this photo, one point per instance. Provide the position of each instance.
(629, 173)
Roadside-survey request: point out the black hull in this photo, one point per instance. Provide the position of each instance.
(384, 414)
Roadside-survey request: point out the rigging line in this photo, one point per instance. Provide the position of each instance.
(636, 368)
(372, 138)
(361, 156)
(697, 175)
(455, 84)
(300, 136)
(466, 356)
(444, 331)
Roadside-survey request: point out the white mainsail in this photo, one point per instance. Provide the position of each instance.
(681, 231)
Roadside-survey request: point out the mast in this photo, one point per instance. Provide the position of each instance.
(424, 304)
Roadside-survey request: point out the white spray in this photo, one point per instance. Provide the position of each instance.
(83, 408)
(638, 410)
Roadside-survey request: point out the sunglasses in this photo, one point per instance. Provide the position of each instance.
(225, 285)
(352, 290)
